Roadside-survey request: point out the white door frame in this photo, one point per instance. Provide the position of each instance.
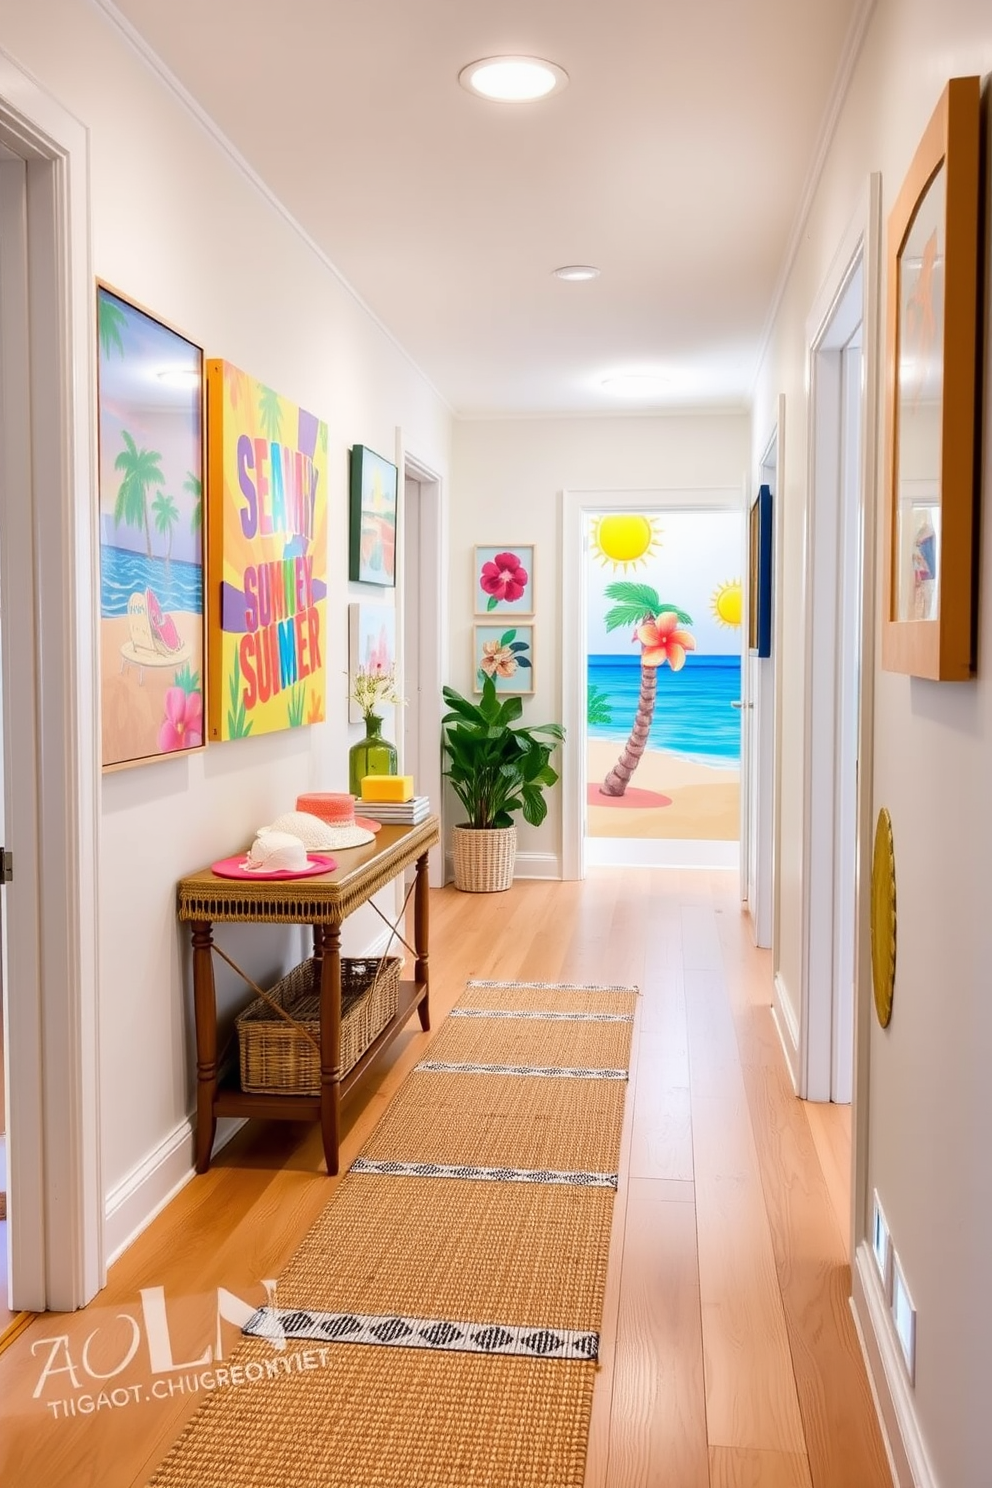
(573, 508)
(819, 1017)
(51, 769)
(432, 658)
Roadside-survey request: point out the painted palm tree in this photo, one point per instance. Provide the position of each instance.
(111, 320)
(270, 413)
(193, 486)
(141, 470)
(166, 514)
(657, 627)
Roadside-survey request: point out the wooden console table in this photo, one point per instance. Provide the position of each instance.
(324, 902)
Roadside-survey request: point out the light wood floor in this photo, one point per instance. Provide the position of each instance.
(729, 1358)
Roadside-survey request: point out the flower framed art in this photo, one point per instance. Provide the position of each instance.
(504, 579)
(504, 652)
(150, 434)
(933, 286)
(372, 549)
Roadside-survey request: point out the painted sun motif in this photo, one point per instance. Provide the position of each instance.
(625, 539)
(726, 604)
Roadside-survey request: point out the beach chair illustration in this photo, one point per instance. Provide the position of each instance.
(153, 640)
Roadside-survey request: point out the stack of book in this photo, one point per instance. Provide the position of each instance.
(397, 813)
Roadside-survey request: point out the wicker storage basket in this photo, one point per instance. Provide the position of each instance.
(483, 860)
(277, 1059)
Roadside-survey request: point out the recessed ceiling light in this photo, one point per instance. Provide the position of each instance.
(636, 384)
(512, 79)
(576, 271)
(186, 377)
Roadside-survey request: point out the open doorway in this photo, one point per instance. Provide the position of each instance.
(421, 629)
(651, 616)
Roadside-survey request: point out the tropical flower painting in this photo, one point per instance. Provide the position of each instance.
(504, 579)
(664, 649)
(505, 653)
(151, 532)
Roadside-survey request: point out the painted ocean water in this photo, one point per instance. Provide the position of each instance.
(693, 716)
(177, 585)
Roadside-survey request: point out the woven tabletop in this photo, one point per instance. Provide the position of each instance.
(326, 899)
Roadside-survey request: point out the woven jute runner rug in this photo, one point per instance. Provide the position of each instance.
(439, 1325)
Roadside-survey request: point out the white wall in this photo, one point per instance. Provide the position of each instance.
(929, 1071)
(179, 228)
(505, 480)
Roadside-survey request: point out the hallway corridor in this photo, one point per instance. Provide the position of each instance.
(729, 1357)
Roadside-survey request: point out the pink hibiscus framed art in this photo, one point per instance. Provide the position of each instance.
(504, 579)
(504, 652)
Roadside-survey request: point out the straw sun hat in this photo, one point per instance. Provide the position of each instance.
(317, 835)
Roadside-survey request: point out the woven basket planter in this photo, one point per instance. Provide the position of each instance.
(483, 860)
(278, 1059)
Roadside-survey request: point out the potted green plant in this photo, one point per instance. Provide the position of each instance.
(497, 767)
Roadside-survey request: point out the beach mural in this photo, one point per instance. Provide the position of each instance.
(150, 390)
(267, 558)
(663, 646)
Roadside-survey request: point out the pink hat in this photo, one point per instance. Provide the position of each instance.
(338, 811)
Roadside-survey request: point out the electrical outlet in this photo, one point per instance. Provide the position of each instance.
(881, 1245)
(904, 1317)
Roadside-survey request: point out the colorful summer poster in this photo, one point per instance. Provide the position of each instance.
(267, 558)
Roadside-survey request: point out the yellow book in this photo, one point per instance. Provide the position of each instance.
(387, 787)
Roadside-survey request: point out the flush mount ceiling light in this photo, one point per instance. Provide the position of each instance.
(185, 377)
(636, 384)
(512, 79)
(576, 272)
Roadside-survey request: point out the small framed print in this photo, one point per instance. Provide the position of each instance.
(504, 579)
(759, 567)
(505, 652)
(372, 548)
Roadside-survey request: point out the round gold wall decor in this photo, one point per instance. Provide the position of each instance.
(883, 917)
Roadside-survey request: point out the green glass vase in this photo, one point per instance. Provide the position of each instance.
(372, 755)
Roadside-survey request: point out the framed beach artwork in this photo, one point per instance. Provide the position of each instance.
(504, 652)
(372, 549)
(150, 482)
(933, 276)
(371, 645)
(267, 558)
(503, 579)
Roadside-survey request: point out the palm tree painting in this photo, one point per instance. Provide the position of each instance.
(166, 514)
(658, 627)
(193, 486)
(112, 321)
(140, 469)
(150, 405)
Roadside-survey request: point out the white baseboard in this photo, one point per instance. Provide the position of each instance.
(134, 1202)
(661, 852)
(537, 865)
(787, 1024)
(525, 865)
(137, 1199)
(890, 1385)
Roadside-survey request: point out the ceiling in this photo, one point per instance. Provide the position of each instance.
(675, 160)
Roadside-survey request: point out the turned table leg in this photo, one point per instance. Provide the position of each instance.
(330, 1042)
(421, 913)
(205, 1008)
